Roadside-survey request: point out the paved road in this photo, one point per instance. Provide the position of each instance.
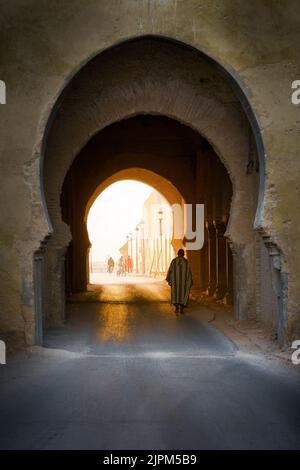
(126, 373)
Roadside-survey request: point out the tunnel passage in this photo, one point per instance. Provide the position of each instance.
(179, 157)
(144, 79)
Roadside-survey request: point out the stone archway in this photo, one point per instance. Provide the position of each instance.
(146, 77)
(171, 156)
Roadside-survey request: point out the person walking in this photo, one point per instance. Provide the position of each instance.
(179, 278)
(110, 265)
(130, 264)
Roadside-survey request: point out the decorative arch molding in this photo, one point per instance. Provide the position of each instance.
(121, 82)
(121, 87)
(145, 77)
(230, 75)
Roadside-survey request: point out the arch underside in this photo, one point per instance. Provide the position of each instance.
(156, 181)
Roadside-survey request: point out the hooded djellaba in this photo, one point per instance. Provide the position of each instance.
(179, 278)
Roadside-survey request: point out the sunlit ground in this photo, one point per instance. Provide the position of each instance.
(106, 279)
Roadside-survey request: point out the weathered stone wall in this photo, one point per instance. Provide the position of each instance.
(44, 43)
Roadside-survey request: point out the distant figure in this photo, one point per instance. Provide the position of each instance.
(120, 270)
(180, 280)
(110, 265)
(130, 264)
(126, 264)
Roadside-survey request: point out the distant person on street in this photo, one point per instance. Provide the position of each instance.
(126, 264)
(120, 271)
(110, 265)
(130, 264)
(180, 280)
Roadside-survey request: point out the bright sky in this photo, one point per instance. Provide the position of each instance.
(114, 214)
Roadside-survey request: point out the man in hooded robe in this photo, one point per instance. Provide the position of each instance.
(180, 280)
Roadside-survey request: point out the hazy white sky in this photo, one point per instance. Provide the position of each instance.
(114, 214)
